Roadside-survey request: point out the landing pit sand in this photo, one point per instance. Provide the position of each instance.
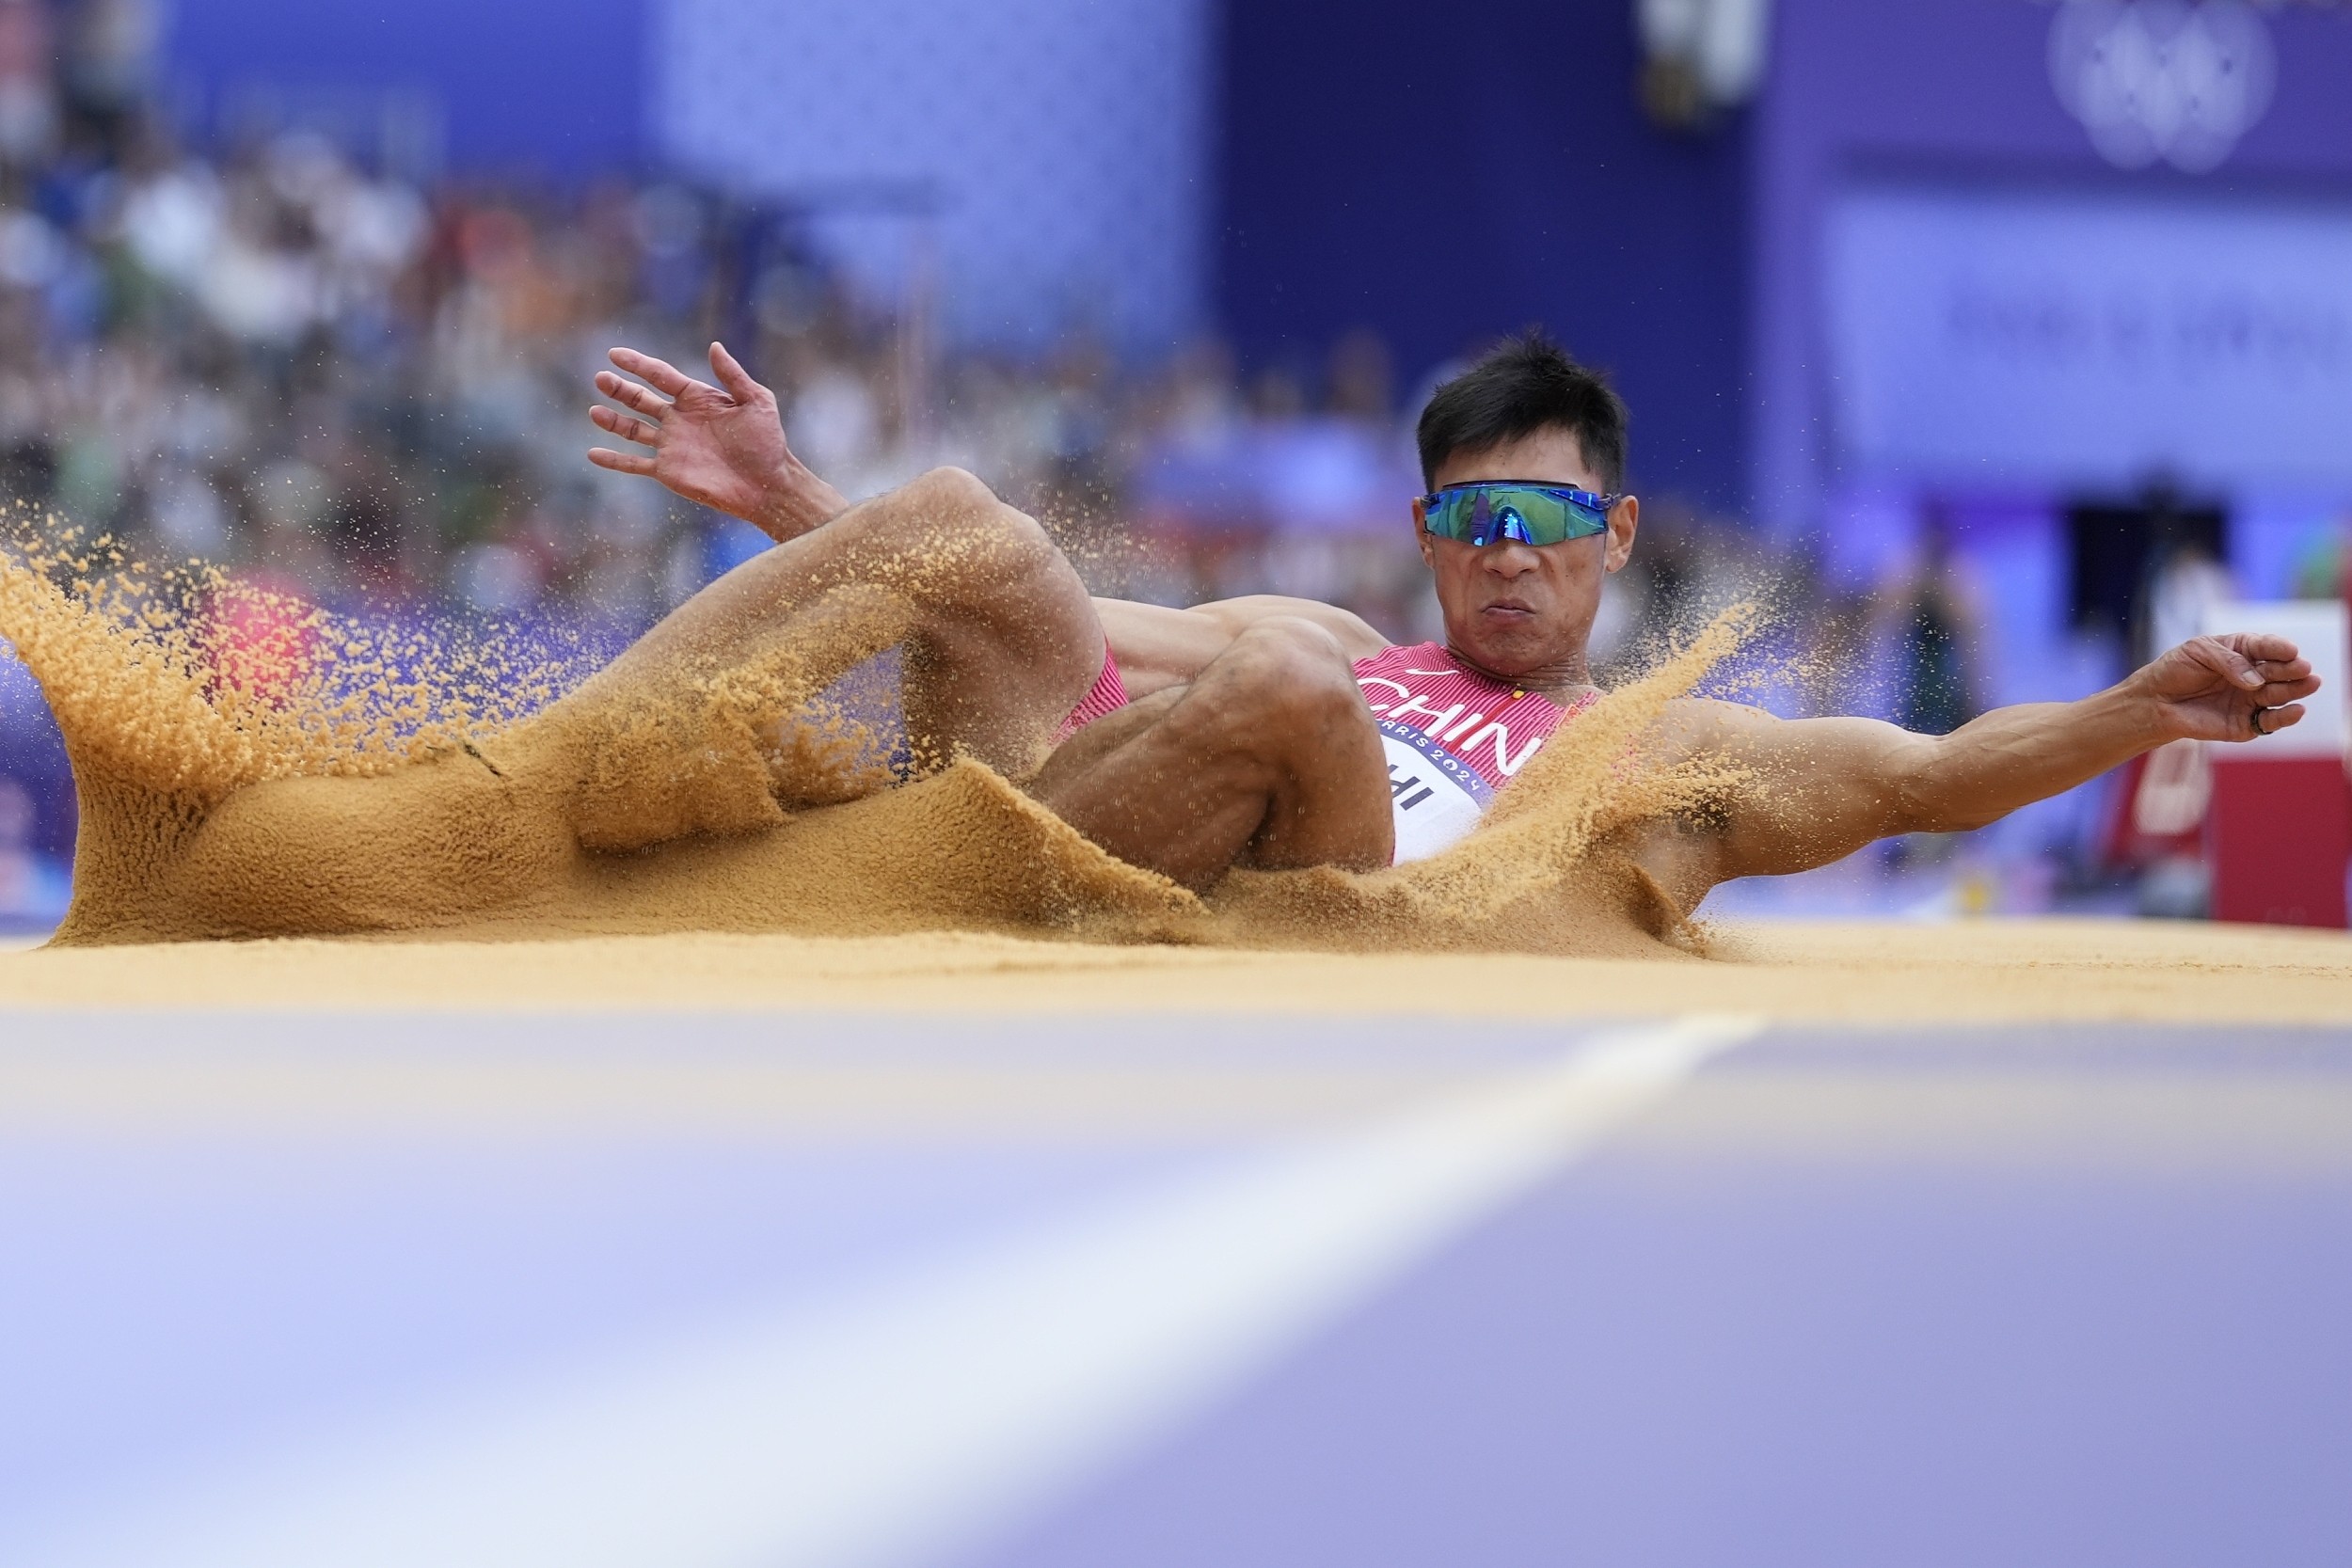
(1898, 973)
(359, 832)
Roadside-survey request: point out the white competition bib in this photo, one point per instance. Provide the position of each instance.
(1434, 796)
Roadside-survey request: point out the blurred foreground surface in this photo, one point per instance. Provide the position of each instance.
(848, 1287)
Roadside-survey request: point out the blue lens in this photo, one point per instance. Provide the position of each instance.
(1488, 512)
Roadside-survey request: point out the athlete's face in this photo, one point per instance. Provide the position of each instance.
(1519, 609)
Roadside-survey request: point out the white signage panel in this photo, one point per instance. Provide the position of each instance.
(2090, 340)
(2318, 628)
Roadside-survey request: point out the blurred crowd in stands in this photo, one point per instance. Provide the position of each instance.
(282, 357)
(365, 389)
(306, 359)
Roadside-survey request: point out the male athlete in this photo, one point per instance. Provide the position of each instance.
(1281, 732)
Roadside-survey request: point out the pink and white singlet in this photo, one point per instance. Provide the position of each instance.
(1453, 735)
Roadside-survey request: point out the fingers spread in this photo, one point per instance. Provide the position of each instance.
(659, 372)
(643, 399)
(628, 428)
(733, 376)
(620, 462)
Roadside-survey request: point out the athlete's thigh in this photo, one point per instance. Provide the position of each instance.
(998, 661)
(1260, 760)
(1001, 636)
(941, 547)
(1156, 791)
(1082, 755)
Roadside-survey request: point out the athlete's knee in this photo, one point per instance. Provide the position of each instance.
(1292, 678)
(963, 539)
(948, 493)
(931, 508)
(1302, 653)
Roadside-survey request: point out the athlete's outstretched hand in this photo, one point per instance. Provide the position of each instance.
(722, 447)
(2210, 687)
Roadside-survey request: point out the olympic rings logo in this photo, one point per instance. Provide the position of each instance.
(2161, 79)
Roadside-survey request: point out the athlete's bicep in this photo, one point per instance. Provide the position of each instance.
(1805, 792)
(1796, 793)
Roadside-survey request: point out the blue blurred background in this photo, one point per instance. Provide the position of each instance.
(1996, 337)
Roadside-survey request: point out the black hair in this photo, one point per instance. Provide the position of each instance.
(1522, 385)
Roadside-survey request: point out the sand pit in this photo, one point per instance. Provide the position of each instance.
(1888, 974)
(717, 777)
(399, 827)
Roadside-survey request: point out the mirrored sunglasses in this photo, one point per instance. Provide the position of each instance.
(1492, 511)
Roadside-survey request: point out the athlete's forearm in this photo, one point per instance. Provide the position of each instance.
(792, 500)
(2013, 757)
(1812, 791)
(1356, 635)
(1156, 646)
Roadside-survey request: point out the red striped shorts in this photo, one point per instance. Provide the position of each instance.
(1108, 695)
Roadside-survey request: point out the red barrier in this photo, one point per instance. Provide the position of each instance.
(2278, 835)
(2279, 830)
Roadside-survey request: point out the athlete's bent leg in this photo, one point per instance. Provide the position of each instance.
(699, 726)
(1269, 759)
(1000, 642)
(1000, 636)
